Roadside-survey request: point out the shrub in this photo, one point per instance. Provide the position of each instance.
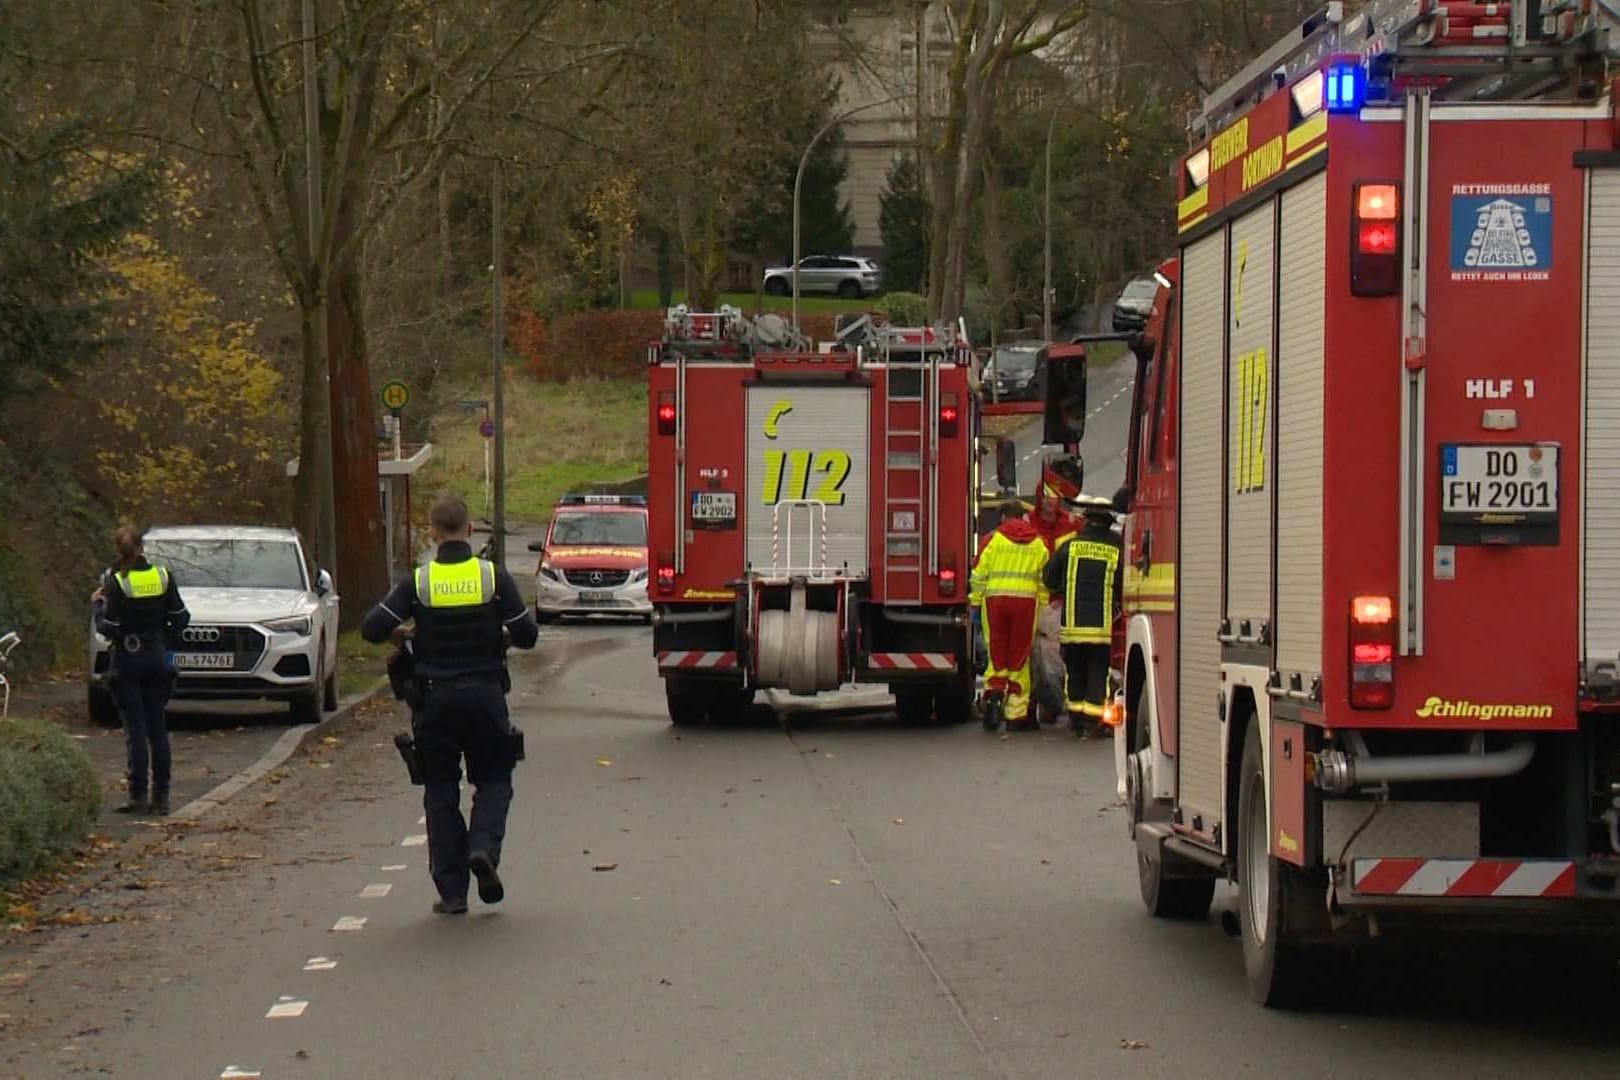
(50, 796)
(593, 344)
(905, 308)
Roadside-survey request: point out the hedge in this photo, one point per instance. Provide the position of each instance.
(50, 796)
(603, 344)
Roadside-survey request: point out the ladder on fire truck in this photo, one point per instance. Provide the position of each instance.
(1482, 51)
(911, 418)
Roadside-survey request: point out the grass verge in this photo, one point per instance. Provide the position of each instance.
(648, 298)
(50, 796)
(360, 663)
(559, 436)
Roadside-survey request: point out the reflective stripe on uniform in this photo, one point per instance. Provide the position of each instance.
(469, 583)
(1074, 631)
(143, 584)
(1009, 568)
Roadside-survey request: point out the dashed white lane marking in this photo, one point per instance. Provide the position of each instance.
(286, 1009)
(394, 868)
(414, 841)
(349, 922)
(319, 963)
(1035, 453)
(233, 1072)
(375, 892)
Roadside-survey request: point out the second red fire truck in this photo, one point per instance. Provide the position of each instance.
(811, 513)
(1372, 611)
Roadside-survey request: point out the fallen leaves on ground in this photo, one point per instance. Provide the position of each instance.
(898, 820)
(604, 762)
(834, 881)
(602, 866)
(1133, 1044)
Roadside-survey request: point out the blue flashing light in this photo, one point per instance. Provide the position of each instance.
(1346, 87)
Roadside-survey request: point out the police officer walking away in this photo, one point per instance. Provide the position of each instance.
(138, 608)
(465, 611)
(1084, 573)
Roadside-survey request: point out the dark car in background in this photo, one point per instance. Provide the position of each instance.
(1135, 304)
(1017, 372)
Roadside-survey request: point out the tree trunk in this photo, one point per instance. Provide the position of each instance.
(362, 570)
(995, 247)
(306, 511)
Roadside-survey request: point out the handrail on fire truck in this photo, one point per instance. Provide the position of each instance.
(816, 565)
(1487, 50)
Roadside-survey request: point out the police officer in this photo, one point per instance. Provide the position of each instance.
(138, 608)
(465, 611)
(1084, 574)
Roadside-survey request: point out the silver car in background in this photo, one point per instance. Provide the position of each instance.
(848, 276)
(264, 621)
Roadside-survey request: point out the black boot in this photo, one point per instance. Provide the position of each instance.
(159, 806)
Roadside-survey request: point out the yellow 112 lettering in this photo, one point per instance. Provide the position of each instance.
(788, 475)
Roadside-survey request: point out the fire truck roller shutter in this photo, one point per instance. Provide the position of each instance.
(1203, 322)
(807, 444)
(1250, 321)
(1302, 292)
(1600, 530)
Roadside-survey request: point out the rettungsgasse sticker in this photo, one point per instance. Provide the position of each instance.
(1501, 232)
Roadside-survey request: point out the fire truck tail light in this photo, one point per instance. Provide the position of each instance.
(949, 413)
(666, 413)
(1377, 202)
(1375, 238)
(666, 578)
(1375, 252)
(947, 581)
(1372, 652)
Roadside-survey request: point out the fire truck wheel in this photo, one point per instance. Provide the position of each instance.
(1273, 901)
(686, 708)
(954, 707)
(915, 707)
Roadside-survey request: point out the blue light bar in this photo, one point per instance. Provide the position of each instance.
(1346, 87)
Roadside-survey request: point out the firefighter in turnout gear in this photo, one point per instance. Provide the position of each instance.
(138, 608)
(1006, 585)
(466, 611)
(1085, 575)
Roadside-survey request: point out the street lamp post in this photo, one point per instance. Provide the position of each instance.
(798, 186)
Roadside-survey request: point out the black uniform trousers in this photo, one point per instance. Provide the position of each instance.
(464, 718)
(1087, 683)
(141, 684)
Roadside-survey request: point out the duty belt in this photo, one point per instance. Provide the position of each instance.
(476, 678)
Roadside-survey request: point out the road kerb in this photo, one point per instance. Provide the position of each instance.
(285, 747)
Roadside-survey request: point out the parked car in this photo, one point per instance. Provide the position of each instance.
(264, 621)
(849, 276)
(1017, 372)
(1135, 304)
(593, 560)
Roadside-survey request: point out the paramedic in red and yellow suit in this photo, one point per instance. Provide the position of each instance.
(1050, 517)
(1006, 584)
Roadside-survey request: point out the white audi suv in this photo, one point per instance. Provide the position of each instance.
(264, 621)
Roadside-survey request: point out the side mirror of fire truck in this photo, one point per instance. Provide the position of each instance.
(1065, 395)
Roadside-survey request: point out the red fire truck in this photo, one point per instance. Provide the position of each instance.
(1372, 607)
(811, 513)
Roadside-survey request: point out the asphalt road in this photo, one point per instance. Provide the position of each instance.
(846, 898)
(1108, 428)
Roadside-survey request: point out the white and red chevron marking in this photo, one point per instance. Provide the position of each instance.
(696, 659)
(1465, 877)
(914, 661)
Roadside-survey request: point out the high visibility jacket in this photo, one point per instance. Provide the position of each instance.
(1085, 572)
(458, 627)
(1010, 564)
(142, 611)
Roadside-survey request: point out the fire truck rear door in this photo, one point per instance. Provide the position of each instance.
(1601, 528)
(808, 454)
